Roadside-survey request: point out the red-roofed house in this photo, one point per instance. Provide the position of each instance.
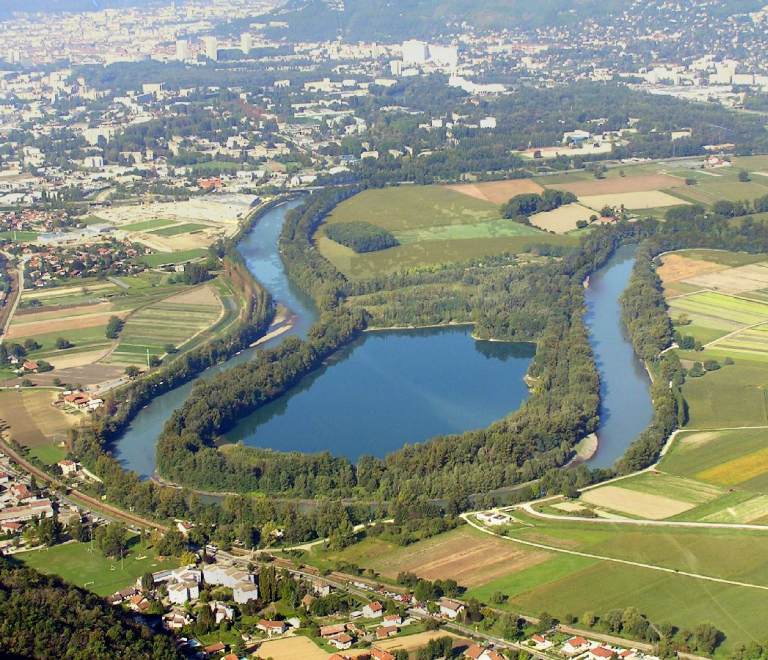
(341, 641)
(575, 646)
(373, 610)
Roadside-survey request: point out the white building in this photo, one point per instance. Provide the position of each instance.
(373, 610)
(245, 592)
(447, 56)
(450, 608)
(246, 42)
(488, 122)
(415, 52)
(221, 611)
(182, 50)
(211, 46)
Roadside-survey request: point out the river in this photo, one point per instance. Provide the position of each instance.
(135, 449)
(391, 388)
(626, 408)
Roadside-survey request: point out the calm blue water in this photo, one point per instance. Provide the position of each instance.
(626, 408)
(136, 448)
(391, 388)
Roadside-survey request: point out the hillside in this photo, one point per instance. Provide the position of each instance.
(393, 20)
(9, 7)
(44, 617)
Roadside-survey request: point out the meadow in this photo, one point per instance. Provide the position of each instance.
(147, 225)
(167, 258)
(434, 224)
(77, 564)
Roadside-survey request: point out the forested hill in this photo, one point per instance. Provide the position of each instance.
(43, 617)
(395, 20)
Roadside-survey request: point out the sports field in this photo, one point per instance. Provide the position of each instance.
(147, 225)
(77, 564)
(434, 224)
(183, 228)
(166, 258)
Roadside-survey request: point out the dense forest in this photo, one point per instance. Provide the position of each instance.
(43, 617)
(361, 236)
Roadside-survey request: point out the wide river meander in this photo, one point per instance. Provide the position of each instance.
(389, 388)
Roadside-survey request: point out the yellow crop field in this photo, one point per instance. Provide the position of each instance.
(738, 470)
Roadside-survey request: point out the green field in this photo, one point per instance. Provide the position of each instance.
(19, 235)
(730, 397)
(434, 225)
(699, 455)
(185, 228)
(48, 454)
(164, 258)
(151, 328)
(146, 225)
(75, 563)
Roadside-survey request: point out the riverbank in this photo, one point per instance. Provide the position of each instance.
(585, 450)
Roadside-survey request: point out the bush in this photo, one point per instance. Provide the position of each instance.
(697, 370)
(62, 343)
(114, 325)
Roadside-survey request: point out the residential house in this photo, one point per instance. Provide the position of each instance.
(575, 646)
(600, 653)
(493, 519)
(184, 591)
(221, 611)
(184, 527)
(272, 627)
(381, 654)
(67, 467)
(213, 649)
(541, 643)
(393, 620)
(10, 527)
(244, 592)
(385, 632)
(307, 601)
(373, 610)
(176, 620)
(342, 641)
(333, 629)
(450, 608)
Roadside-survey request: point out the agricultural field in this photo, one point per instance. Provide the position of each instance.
(497, 192)
(642, 505)
(77, 564)
(735, 458)
(175, 320)
(434, 224)
(621, 185)
(562, 220)
(32, 419)
(634, 201)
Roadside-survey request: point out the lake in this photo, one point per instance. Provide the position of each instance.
(390, 388)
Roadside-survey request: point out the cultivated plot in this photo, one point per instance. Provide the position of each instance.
(634, 201)
(632, 184)
(563, 219)
(635, 503)
(497, 192)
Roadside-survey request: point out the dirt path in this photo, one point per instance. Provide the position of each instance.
(615, 560)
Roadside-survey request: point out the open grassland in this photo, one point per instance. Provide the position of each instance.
(33, 421)
(563, 219)
(77, 564)
(662, 597)
(434, 224)
(184, 228)
(174, 320)
(672, 487)
(428, 253)
(85, 291)
(734, 280)
(730, 397)
(488, 229)
(497, 192)
(22, 236)
(410, 207)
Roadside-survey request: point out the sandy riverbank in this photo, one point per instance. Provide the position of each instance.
(585, 449)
